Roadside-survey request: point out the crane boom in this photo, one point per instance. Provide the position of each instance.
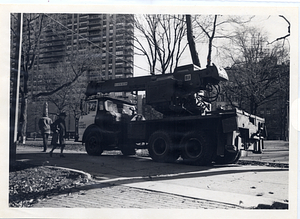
(167, 93)
(190, 75)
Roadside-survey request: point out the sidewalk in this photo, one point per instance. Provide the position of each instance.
(274, 152)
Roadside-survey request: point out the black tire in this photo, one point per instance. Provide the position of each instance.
(93, 144)
(196, 149)
(128, 150)
(258, 145)
(229, 158)
(160, 147)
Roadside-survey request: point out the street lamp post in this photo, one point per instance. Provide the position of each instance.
(15, 92)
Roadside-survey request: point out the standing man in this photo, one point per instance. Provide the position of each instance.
(44, 126)
(59, 134)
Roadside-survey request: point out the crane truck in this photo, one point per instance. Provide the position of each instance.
(187, 128)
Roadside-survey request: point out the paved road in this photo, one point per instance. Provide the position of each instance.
(138, 182)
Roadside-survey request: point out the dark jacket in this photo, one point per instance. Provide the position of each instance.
(59, 132)
(60, 126)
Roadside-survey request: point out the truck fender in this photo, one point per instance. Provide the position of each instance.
(89, 129)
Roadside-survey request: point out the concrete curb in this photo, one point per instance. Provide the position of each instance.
(89, 176)
(275, 164)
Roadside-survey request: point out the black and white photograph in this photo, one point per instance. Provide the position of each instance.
(149, 110)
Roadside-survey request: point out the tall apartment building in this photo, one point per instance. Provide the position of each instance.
(110, 34)
(113, 33)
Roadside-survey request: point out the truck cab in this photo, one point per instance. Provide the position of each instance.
(104, 122)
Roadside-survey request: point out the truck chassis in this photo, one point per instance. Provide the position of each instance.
(215, 137)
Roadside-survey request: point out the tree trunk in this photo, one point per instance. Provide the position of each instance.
(191, 41)
(23, 119)
(253, 105)
(210, 40)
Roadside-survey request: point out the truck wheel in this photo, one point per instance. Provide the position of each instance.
(160, 147)
(196, 149)
(229, 158)
(128, 150)
(93, 144)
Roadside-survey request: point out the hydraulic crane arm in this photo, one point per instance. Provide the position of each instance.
(191, 77)
(168, 93)
(119, 85)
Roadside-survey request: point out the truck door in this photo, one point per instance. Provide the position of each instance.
(87, 118)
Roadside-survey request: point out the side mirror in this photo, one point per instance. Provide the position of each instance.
(83, 107)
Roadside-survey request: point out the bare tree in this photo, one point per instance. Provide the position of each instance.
(288, 31)
(217, 27)
(67, 73)
(160, 39)
(35, 27)
(61, 83)
(78, 93)
(256, 70)
(32, 30)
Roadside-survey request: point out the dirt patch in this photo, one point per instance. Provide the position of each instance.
(29, 184)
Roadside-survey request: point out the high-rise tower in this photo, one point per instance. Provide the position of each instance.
(111, 35)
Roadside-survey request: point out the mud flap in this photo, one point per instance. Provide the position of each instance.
(233, 142)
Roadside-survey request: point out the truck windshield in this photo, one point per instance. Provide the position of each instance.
(88, 107)
(119, 109)
(92, 106)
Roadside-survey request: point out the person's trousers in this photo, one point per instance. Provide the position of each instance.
(45, 140)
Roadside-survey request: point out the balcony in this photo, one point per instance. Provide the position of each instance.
(97, 38)
(82, 16)
(119, 59)
(94, 28)
(119, 48)
(84, 28)
(55, 39)
(51, 54)
(129, 58)
(120, 25)
(119, 70)
(129, 25)
(128, 71)
(50, 48)
(95, 16)
(85, 24)
(51, 60)
(94, 33)
(120, 65)
(128, 31)
(128, 65)
(94, 22)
